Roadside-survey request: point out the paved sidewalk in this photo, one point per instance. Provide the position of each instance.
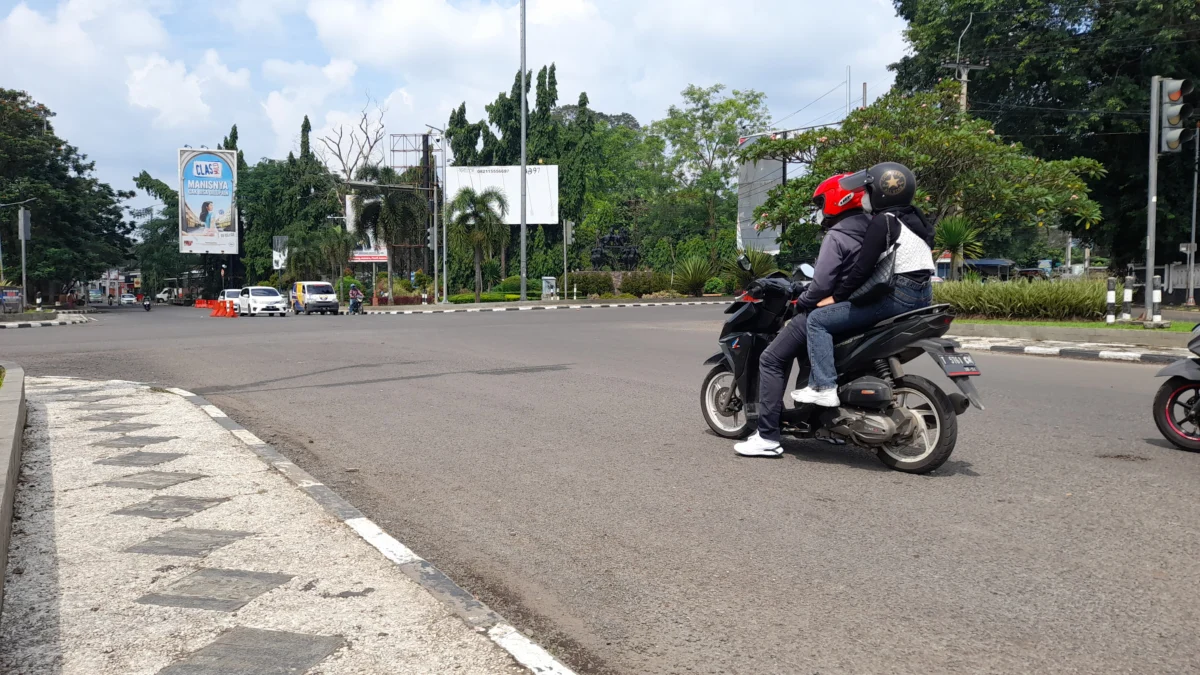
(154, 535)
(527, 306)
(1093, 351)
(64, 320)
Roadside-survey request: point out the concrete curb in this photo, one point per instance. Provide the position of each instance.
(77, 319)
(529, 308)
(12, 431)
(477, 615)
(1082, 354)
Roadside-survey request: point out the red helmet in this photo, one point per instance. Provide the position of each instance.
(831, 199)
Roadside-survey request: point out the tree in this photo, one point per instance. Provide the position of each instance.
(960, 163)
(78, 225)
(1071, 79)
(703, 139)
(477, 226)
(956, 235)
(390, 214)
(336, 243)
(350, 148)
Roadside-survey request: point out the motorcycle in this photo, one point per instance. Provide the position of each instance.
(146, 304)
(356, 306)
(907, 420)
(1177, 403)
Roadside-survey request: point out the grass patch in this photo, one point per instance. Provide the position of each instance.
(1176, 326)
(1, 376)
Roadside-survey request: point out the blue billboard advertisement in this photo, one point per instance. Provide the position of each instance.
(207, 214)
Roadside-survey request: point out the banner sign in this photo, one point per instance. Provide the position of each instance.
(370, 251)
(541, 189)
(207, 215)
(279, 252)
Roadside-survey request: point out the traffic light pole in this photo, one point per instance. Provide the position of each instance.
(1152, 201)
(1191, 301)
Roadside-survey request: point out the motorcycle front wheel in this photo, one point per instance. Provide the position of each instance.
(1177, 414)
(931, 448)
(727, 423)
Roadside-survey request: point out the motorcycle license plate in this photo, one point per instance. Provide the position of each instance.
(958, 364)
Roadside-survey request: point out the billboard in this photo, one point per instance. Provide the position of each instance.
(541, 185)
(207, 214)
(755, 182)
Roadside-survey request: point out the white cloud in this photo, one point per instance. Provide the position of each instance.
(175, 94)
(305, 89)
(252, 16)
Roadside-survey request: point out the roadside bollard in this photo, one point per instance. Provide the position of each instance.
(1110, 316)
(1127, 303)
(1156, 312)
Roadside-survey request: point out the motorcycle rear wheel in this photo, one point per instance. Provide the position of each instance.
(925, 454)
(1172, 413)
(716, 383)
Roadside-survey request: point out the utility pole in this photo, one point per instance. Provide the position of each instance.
(1191, 301)
(524, 105)
(24, 230)
(864, 95)
(963, 68)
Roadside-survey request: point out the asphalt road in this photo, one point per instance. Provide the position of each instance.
(556, 464)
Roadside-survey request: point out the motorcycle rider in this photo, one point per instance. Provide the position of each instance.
(356, 298)
(887, 191)
(839, 213)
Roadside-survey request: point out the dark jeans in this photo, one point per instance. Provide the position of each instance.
(773, 367)
(844, 318)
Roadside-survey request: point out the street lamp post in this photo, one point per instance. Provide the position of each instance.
(524, 105)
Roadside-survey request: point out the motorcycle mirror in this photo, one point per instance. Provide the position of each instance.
(807, 270)
(744, 262)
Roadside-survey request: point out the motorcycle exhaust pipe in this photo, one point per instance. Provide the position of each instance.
(960, 403)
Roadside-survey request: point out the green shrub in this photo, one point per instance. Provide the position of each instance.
(469, 298)
(761, 264)
(618, 296)
(714, 285)
(1047, 300)
(637, 283)
(509, 285)
(692, 274)
(662, 295)
(590, 283)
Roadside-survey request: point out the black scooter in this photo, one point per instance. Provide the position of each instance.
(908, 421)
(1177, 403)
(146, 304)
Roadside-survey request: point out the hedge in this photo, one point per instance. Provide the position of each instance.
(590, 283)
(644, 283)
(469, 298)
(1053, 300)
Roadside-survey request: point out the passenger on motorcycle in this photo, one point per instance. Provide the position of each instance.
(839, 213)
(887, 191)
(356, 297)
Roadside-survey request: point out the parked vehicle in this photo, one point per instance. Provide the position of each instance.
(908, 421)
(1177, 403)
(128, 299)
(230, 294)
(96, 296)
(255, 300)
(309, 297)
(167, 295)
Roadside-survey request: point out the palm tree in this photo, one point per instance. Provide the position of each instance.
(336, 244)
(305, 258)
(477, 226)
(957, 235)
(389, 214)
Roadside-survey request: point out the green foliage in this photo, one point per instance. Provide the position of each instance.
(1055, 300)
(477, 226)
(591, 283)
(644, 283)
(959, 161)
(509, 284)
(956, 235)
(761, 264)
(78, 229)
(1070, 79)
(714, 285)
(692, 274)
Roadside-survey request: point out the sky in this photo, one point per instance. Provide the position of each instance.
(131, 81)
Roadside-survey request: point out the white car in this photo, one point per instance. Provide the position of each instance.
(128, 299)
(230, 294)
(255, 300)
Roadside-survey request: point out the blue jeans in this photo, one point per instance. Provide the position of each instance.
(844, 318)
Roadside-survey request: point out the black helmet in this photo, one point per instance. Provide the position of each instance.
(887, 185)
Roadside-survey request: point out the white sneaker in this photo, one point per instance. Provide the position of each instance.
(826, 398)
(757, 446)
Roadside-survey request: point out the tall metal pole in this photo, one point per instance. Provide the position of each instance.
(524, 105)
(1191, 301)
(445, 233)
(1152, 199)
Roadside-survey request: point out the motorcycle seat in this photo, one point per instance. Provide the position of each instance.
(847, 339)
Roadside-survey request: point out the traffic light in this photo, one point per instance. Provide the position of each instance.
(1174, 115)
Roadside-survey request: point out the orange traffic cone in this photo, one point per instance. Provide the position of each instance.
(216, 309)
(233, 313)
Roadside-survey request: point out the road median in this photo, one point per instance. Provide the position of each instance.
(12, 427)
(1116, 336)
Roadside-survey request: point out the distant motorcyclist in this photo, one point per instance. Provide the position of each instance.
(356, 298)
(839, 213)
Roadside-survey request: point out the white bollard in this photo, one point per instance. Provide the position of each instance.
(1110, 317)
(1127, 302)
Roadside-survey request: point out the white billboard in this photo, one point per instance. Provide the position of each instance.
(207, 214)
(541, 185)
(755, 182)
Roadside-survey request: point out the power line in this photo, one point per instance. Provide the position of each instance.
(839, 85)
